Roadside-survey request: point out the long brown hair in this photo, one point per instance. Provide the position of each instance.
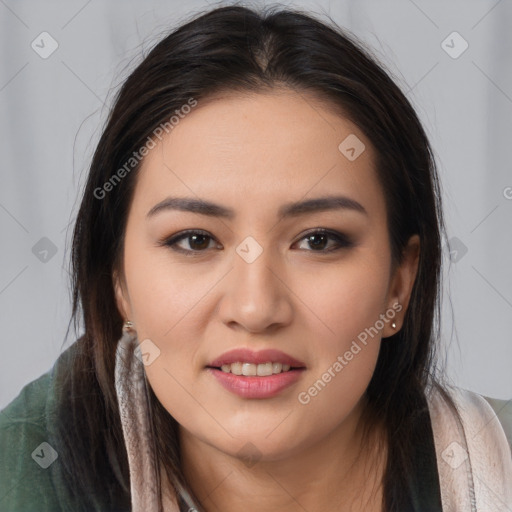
(240, 49)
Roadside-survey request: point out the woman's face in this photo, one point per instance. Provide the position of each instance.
(253, 280)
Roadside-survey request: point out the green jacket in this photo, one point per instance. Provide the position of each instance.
(29, 480)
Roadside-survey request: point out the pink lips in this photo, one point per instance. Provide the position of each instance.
(256, 387)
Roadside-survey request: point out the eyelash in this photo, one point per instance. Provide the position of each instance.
(343, 241)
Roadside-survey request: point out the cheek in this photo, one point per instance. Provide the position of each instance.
(347, 300)
(163, 292)
(166, 300)
(348, 304)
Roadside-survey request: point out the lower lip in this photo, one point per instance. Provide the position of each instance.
(256, 387)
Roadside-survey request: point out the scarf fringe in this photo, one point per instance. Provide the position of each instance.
(130, 382)
(473, 454)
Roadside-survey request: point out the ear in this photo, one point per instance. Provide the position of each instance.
(401, 285)
(121, 294)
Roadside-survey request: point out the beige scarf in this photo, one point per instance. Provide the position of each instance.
(473, 455)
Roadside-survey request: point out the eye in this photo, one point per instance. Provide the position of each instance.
(319, 238)
(199, 241)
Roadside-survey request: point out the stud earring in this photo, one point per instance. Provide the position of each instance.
(128, 326)
(393, 325)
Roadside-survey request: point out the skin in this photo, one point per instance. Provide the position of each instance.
(253, 153)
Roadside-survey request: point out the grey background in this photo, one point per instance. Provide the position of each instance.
(52, 111)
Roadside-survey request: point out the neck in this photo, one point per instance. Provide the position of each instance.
(337, 473)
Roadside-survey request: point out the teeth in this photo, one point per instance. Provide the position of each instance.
(250, 369)
(264, 369)
(236, 368)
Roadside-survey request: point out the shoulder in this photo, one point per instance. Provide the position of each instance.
(479, 407)
(28, 407)
(28, 459)
(503, 410)
(472, 437)
(491, 408)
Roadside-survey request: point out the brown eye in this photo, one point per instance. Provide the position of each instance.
(318, 240)
(197, 241)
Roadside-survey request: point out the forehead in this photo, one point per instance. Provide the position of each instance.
(258, 150)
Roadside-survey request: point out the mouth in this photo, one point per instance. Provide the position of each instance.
(245, 369)
(262, 374)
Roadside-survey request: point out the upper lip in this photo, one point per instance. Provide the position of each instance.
(246, 355)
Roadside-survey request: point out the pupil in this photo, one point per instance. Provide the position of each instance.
(312, 237)
(195, 237)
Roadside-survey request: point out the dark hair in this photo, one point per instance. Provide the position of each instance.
(232, 49)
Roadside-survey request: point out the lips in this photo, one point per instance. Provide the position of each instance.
(262, 374)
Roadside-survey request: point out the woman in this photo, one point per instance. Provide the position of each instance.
(232, 356)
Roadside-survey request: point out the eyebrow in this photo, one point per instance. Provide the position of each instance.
(202, 207)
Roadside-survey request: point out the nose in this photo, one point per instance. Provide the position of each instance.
(255, 296)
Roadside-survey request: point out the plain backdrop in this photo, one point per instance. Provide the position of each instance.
(52, 108)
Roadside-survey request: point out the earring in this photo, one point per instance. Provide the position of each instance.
(127, 326)
(393, 325)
